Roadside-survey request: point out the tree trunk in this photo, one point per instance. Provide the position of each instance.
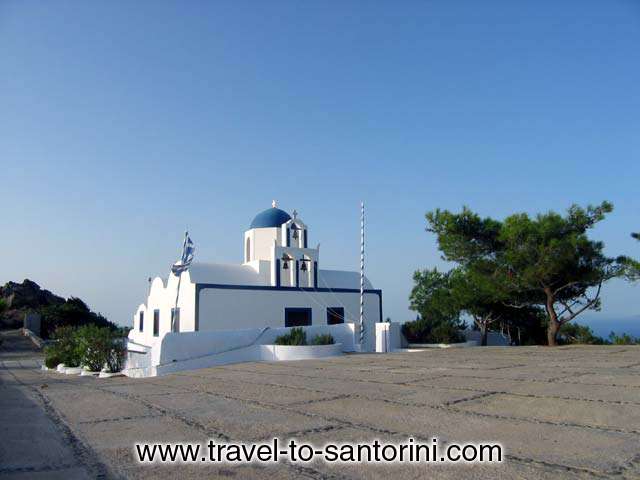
(483, 334)
(554, 325)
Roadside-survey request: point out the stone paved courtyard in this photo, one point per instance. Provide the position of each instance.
(569, 412)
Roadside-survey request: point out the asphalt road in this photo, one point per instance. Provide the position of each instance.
(569, 412)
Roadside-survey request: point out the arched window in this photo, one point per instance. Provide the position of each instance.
(247, 255)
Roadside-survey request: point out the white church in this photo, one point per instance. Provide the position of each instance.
(224, 309)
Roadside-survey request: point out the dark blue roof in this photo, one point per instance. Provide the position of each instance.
(271, 217)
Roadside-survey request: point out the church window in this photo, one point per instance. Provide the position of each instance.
(156, 323)
(297, 317)
(335, 315)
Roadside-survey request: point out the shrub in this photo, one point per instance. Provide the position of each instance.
(94, 344)
(51, 357)
(417, 331)
(90, 346)
(426, 331)
(324, 339)
(115, 358)
(446, 333)
(572, 333)
(297, 336)
(624, 339)
(65, 347)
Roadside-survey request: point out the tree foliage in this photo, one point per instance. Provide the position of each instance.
(623, 339)
(74, 313)
(633, 266)
(476, 293)
(574, 333)
(547, 261)
(431, 296)
(438, 313)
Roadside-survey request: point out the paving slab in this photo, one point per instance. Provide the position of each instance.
(236, 419)
(621, 379)
(624, 418)
(596, 393)
(81, 404)
(569, 412)
(576, 447)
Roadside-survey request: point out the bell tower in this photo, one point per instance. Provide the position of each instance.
(294, 263)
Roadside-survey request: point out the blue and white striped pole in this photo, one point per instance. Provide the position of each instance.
(361, 275)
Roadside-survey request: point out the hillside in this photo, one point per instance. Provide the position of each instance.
(28, 296)
(22, 297)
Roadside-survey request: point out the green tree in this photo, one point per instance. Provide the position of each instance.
(438, 313)
(623, 339)
(73, 312)
(571, 333)
(526, 325)
(431, 296)
(474, 292)
(549, 260)
(546, 261)
(633, 266)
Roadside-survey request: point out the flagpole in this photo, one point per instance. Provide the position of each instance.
(175, 309)
(361, 275)
(179, 274)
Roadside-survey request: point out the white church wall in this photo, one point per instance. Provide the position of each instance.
(226, 309)
(191, 350)
(162, 298)
(263, 241)
(388, 337)
(189, 345)
(253, 353)
(220, 273)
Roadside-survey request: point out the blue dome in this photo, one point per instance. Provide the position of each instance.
(269, 218)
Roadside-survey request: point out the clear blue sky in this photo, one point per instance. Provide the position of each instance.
(121, 123)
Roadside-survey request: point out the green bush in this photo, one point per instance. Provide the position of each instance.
(297, 336)
(95, 344)
(51, 357)
(417, 331)
(447, 333)
(115, 359)
(65, 347)
(324, 339)
(574, 333)
(426, 331)
(624, 339)
(89, 346)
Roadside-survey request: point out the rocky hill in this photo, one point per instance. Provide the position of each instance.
(22, 297)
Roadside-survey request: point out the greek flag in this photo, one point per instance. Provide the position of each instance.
(187, 256)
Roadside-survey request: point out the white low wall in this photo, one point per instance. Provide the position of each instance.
(388, 337)
(418, 346)
(494, 339)
(192, 350)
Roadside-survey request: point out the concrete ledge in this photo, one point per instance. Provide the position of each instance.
(302, 352)
(417, 346)
(37, 341)
(253, 353)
